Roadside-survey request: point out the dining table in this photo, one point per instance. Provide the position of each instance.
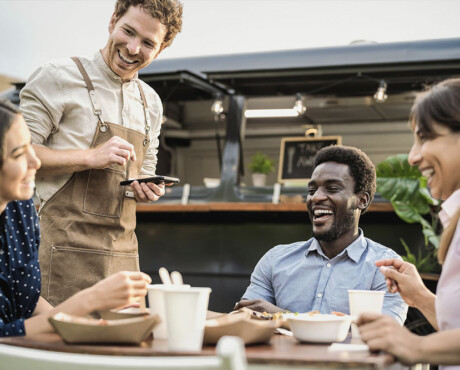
(280, 352)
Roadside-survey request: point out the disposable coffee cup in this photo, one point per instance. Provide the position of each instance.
(185, 311)
(157, 306)
(364, 301)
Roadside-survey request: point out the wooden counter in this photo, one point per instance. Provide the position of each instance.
(242, 207)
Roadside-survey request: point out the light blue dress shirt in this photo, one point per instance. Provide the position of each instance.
(299, 277)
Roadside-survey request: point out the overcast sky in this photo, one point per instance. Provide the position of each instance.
(34, 31)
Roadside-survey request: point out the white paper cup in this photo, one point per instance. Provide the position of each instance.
(157, 306)
(185, 317)
(364, 301)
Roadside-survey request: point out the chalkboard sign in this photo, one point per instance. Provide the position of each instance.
(297, 154)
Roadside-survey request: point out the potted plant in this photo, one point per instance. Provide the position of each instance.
(407, 191)
(261, 165)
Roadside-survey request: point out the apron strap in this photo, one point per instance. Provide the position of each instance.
(97, 109)
(146, 114)
(92, 94)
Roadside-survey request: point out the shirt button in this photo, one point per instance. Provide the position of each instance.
(319, 295)
(328, 264)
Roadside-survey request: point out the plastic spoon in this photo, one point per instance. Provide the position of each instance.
(176, 278)
(164, 276)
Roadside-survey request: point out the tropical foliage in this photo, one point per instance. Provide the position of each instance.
(405, 187)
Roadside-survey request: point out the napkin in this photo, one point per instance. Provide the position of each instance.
(284, 332)
(348, 347)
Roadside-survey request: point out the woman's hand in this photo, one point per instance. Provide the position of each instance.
(381, 332)
(117, 291)
(120, 290)
(404, 278)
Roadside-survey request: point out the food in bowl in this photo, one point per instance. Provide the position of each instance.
(319, 328)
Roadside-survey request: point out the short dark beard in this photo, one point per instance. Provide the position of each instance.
(338, 228)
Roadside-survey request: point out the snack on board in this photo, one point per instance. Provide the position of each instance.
(80, 319)
(272, 316)
(76, 329)
(277, 316)
(239, 324)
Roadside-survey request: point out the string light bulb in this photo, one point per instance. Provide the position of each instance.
(217, 107)
(381, 94)
(299, 105)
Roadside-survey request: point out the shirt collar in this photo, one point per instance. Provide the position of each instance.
(3, 216)
(100, 62)
(449, 207)
(354, 250)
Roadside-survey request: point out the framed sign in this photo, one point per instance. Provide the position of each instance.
(297, 154)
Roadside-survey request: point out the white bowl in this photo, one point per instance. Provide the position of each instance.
(211, 182)
(319, 328)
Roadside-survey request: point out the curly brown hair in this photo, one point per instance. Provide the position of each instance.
(168, 12)
(362, 170)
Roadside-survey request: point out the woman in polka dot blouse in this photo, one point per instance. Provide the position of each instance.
(22, 310)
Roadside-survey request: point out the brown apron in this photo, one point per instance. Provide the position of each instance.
(88, 225)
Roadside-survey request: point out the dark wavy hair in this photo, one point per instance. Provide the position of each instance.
(440, 104)
(362, 170)
(8, 113)
(168, 12)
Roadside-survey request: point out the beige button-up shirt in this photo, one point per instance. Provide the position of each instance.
(57, 108)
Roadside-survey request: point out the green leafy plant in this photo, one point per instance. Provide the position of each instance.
(427, 263)
(261, 163)
(405, 187)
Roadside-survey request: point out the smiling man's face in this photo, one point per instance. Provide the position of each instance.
(135, 41)
(332, 203)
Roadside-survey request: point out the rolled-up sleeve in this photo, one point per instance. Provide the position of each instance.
(19, 267)
(261, 281)
(12, 329)
(150, 161)
(42, 102)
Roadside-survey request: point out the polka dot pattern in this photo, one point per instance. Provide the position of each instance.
(19, 268)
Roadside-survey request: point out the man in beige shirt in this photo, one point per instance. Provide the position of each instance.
(93, 125)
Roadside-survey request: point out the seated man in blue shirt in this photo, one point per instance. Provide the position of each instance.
(316, 274)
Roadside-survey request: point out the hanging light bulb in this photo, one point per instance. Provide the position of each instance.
(381, 94)
(217, 107)
(299, 106)
(297, 110)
